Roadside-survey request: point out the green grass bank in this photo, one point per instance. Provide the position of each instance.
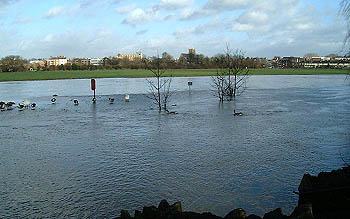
(142, 73)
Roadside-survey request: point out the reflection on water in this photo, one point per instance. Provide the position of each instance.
(62, 160)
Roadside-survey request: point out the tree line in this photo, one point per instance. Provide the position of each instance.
(14, 63)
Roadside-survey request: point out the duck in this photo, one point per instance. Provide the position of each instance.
(33, 106)
(76, 102)
(111, 100)
(237, 113)
(53, 100)
(94, 100)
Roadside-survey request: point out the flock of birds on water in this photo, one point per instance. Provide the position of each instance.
(25, 104)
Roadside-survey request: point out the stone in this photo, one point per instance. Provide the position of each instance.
(164, 205)
(253, 216)
(275, 214)
(150, 212)
(124, 214)
(138, 214)
(238, 213)
(176, 207)
(306, 183)
(302, 212)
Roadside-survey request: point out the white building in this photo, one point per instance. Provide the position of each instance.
(96, 61)
(59, 60)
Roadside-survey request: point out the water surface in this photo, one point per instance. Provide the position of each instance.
(92, 160)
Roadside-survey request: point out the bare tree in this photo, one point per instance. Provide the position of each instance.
(159, 86)
(231, 77)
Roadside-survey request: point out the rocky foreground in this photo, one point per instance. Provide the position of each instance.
(324, 196)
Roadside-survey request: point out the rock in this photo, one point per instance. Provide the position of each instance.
(176, 207)
(275, 214)
(253, 216)
(163, 205)
(124, 214)
(150, 212)
(138, 214)
(302, 212)
(193, 215)
(306, 183)
(238, 213)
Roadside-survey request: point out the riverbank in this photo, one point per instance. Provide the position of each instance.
(142, 73)
(325, 196)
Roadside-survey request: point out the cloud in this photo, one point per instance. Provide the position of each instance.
(226, 5)
(23, 20)
(213, 26)
(195, 13)
(173, 4)
(139, 16)
(5, 3)
(125, 9)
(54, 12)
(141, 32)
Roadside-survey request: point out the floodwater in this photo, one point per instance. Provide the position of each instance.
(92, 160)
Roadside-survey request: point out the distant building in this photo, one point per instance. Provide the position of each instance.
(189, 57)
(96, 61)
(131, 57)
(56, 61)
(81, 61)
(38, 62)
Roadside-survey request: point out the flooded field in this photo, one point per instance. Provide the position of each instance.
(92, 160)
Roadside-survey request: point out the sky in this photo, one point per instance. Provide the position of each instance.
(100, 28)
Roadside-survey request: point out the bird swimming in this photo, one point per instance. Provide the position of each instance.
(76, 102)
(2, 106)
(237, 113)
(111, 100)
(33, 106)
(53, 100)
(9, 105)
(26, 103)
(94, 100)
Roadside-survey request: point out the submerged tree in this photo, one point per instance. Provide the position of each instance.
(159, 85)
(231, 76)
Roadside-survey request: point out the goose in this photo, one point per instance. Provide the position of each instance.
(53, 100)
(9, 105)
(76, 102)
(26, 103)
(111, 100)
(20, 106)
(170, 112)
(237, 113)
(2, 106)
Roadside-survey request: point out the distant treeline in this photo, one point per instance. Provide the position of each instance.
(17, 63)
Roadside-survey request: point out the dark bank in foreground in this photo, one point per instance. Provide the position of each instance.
(324, 196)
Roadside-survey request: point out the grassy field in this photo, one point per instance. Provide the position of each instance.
(130, 73)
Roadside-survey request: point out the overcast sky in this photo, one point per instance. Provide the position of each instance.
(99, 28)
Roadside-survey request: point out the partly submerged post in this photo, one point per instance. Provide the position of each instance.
(93, 87)
(189, 85)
